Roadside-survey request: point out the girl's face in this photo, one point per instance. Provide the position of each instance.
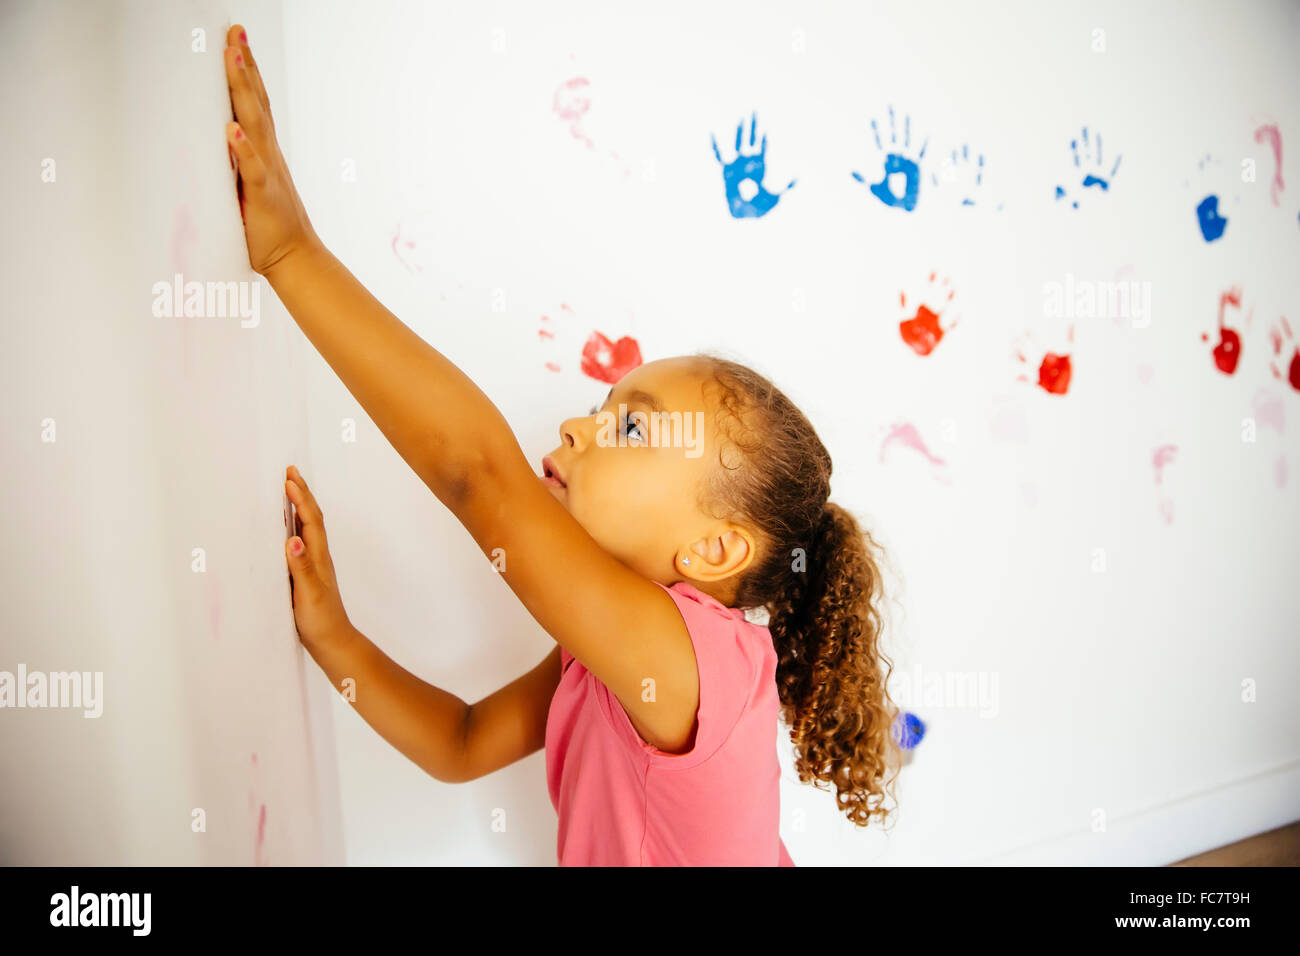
(632, 475)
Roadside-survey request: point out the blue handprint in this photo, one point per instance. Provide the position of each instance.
(749, 169)
(1090, 178)
(969, 176)
(897, 164)
(1209, 217)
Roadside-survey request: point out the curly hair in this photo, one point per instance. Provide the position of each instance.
(816, 573)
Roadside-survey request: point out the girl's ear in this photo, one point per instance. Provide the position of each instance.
(717, 557)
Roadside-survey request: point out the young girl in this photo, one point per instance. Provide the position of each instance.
(638, 553)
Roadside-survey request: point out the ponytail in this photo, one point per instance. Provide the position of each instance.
(817, 575)
(826, 628)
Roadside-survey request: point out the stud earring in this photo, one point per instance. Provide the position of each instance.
(686, 560)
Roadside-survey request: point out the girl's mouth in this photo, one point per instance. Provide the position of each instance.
(551, 475)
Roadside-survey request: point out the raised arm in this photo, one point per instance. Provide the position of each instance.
(439, 421)
(431, 412)
(624, 628)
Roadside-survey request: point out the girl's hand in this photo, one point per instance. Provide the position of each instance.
(317, 605)
(275, 222)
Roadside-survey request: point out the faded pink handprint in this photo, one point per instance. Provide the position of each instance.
(257, 815)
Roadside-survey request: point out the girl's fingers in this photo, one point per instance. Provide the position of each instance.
(259, 89)
(243, 94)
(309, 513)
(293, 472)
(312, 534)
(300, 564)
(251, 168)
(237, 37)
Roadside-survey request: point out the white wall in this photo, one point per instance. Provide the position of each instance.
(131, 440)
(1117, 690)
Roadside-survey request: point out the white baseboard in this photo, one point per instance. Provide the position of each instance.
(1174, 830)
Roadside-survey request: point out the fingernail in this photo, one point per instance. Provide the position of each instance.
(239, 59)
(239, 133)
(243, 36)
(296, 546)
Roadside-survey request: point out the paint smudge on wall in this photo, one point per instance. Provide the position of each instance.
(1164, 454)
(259, 859)
(571, 103)
(1007, 423)
(1162, 457)
(404, 249)
(1285, 354)
(415, 241)
(608, 361)
(1271, 413)
(906, 434)
(1227, 351)
(1166, 507)
(184, 229)
(742, 178)
(1270, 135)
(183, 237)
(1144, 370)
(922, 332)
(257, 813)
(547, 333)
(900, 180)
(1054, 370)
(1089, 163)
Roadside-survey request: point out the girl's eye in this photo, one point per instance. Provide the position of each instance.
(637, 428)
(636, 431)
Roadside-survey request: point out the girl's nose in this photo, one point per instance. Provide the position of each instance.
(574, 432)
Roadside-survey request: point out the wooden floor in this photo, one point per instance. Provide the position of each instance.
(1280, 847)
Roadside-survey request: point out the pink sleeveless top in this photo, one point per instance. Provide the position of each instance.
(623, 802)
